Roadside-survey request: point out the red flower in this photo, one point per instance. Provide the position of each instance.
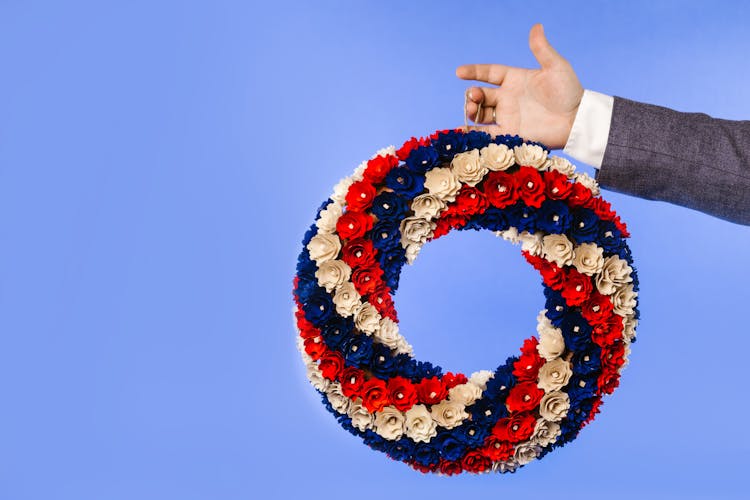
(500, 189)
(404, 151)
(359, 252)
(451, 380)
(378, 168)
(553, 275)
(431, 391)
(383, 302)
(516, 428)
(556, 184)
(402, 393)
(523, 397)
(314, 347)
(607, 332)
(497, 449)
(597, 309)
(374, 395)
(594, 410)
(367, 279)
(353, 224)
(528, 365)
(576, 288)
(608, 382)
(360, 196)
(475, 461)
(351, 382)
(530, 186)
(449, 468)
(424, 468)
(442, 227)
(331, 364)
(471, 201)
(306, 329)
(613, 356)
(580, 196)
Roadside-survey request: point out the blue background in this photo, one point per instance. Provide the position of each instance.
(159, 164)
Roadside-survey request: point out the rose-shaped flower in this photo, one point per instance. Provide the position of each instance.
(427, 206)
(530, 155)
(338, 401)
(516, 428)
(623, 300)
(531, 243)
(367, 279)
(465, 394)
(545, 432)
(554, 375)
(353, 224)
(316, 378)
(588, 182)
(497, 449)
(378, 168)
(577, 287)
(389, 206)
(318, 307)
(558, 249)
(615, 274)
(346, 299)
(480, 378)
(443, 183)
(431, 390)
(496, 157)
(389, 423)
(551, 343)
(530, 186)
(475, 461)
(448, 414)
(527, 366)
(470, 201)
(560, 164)
(589, 258)
(526, 452)
(351, 382)
(361, 418)
(415, 230)
(360, 196)
(523, 397)
(374, 395)
(422, 158)
(419, 425)
(402, 393)
(597, 309)
(357, 350)
(500, 189)
(585, 227)
(324, 247)
(554, 406)
(557, 186)
(554, 217)
(386, 236)
(387, 333)
(358, 252)
(629, 325)
(327, 221)
(468, 168)
(340, 190)
(404, 182)
(366, 318)
(333, 273)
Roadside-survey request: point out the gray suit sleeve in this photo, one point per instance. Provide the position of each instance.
(689, 159)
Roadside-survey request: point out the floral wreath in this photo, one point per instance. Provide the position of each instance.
(379, 218)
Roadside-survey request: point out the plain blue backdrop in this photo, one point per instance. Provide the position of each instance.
(159, 164)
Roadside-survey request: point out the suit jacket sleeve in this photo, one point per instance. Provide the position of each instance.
(688, 159)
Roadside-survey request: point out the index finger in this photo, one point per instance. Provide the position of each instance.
(490, 73)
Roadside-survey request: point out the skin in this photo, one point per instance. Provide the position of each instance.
(537, 104)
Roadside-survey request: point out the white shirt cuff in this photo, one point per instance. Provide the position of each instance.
(588, 136)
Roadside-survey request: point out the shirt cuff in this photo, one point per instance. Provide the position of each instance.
(588, 136)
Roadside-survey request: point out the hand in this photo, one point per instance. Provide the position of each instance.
(537, 104)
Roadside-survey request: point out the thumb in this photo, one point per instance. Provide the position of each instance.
(541, 48)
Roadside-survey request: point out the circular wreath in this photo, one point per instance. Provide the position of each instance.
(379, 218)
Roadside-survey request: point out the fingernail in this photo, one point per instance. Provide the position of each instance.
(471, 96)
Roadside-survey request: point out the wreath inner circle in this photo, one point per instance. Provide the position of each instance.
(378, 219)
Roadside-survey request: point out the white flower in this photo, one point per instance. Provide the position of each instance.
(411, 252)
(480, 378)
(366, 318)
(338, 401)
(316, 378)
(388, 333)
(526, 452)
(531, 243)
(443, 183)
(448, 414)
(588, 182)
(404, 347)
(533, 156)
(346, 299)
(419, 424)
(545, 432)
(361, 418)
(496, 157)
(551, 342)
(510, 234)
(389, 423)
(554, 374)
(560, 164)
(468, 167)
(427, 206)
(324, 247)
(328, 217)
(554, 405)
(558, 248)
(332, 274)
(340, 190)
(589, 258)
(415, 230)
(465, 394)
(615, 273)
(623, 300)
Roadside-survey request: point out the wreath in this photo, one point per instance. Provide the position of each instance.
(379, 218)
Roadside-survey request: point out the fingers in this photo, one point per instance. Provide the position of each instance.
(487, 114)
(545, 55)
(487, 96)
(489, 73)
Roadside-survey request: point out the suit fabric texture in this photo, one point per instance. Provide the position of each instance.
(689, 159)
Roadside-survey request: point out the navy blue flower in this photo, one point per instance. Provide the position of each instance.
(576, 331)
(471, 434)
(581, 389)
(476, 139)
(389, 206)
(336, 331)
(610, 238)
(383, 362)
(385, 235)
(318, 307)
(522, 217)
(357, 350)
(509, 140)
(402, 449)
(312, 231)
(449, 143)
(554, 217)
(486, 412)
(587, 361)
(555, 305)
(374, 440)
(425, 369)
(391, 261)
(405, 182)
(425, 454)
(448, 446)
(346, 422)
(585, 227)
(422, 158)
(499, 385)
(493, 219)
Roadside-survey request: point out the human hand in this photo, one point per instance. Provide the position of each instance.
(537, 104)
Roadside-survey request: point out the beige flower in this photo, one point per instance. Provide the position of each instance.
(427, 206)
(553, 375)
(448, 414)
(443, 183)
(554, 406)
(589, 258)
(411, 251)
(623, 300)
(338, 401)
(588, 182)
(366, 318)
(361, 418)
(468, 168)
(533, 156)
(328, 217)
(558, 248)
(560, 164)
(551, 342)
(615, 274)
(526, 452)
(415, 230)
(465, 394)
(346, 299)
(340, 190)
(324, 247)
(388, 332)
(389, 423)
(531, 243)
(629, 324)
(496, 157)
(316, 378)
(480, 378)
(545, 432)
(332, 274)
(419, 424)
